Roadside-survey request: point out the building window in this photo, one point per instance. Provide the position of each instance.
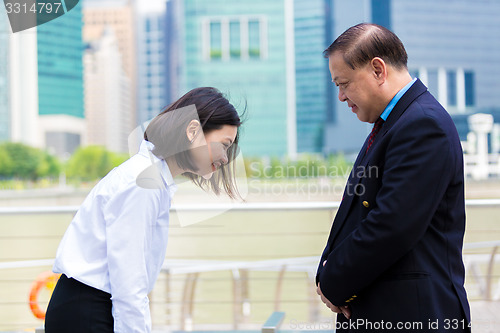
(215, 40)
(234, 39)
(254, 39)
(469, 89)
(451, 89)
(432, 82)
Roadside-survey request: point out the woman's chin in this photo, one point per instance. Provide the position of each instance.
(208, 175)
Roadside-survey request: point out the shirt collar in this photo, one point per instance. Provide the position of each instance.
(146, 149)
(395, 100)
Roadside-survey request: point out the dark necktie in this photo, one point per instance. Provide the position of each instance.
(376, 128)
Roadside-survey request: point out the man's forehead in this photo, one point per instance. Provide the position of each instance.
(337, 66)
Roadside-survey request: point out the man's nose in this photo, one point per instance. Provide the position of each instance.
(342, 96)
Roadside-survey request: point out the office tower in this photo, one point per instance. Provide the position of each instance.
(4, 76)
(119, 16)
(152, 91)
(41, 84)
(315, 91)
(293, 106)
(59, 48)
(245, 49)
(455, 51)
(271, 55)
(107, 99)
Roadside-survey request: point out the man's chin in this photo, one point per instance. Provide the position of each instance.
(362, 118)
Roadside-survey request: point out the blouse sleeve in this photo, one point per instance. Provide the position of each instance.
(129, 215)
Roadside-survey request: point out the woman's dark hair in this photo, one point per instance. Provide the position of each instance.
(363, 42)
(167, 131)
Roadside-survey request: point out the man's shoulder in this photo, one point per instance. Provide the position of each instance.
(426, 107)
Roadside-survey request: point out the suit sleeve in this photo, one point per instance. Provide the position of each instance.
(418, 162)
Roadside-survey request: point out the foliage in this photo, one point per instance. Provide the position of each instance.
(6, 163)
(49, 166)
(92, 162)
(20, 161)
(306, 166)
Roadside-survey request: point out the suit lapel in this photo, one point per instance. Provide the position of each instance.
(417, 89)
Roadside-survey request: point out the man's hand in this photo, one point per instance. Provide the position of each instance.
(343, 309)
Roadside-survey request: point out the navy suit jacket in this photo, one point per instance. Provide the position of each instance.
(394, 253)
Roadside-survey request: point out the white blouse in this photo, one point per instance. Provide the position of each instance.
(118, 238)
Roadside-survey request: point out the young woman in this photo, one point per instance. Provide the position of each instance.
(114, 248)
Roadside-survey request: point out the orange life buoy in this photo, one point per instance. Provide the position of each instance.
(47, 280)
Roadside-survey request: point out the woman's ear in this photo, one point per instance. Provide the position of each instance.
(379, 69)
(192, 130)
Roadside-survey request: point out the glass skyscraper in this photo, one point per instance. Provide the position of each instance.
(240, 48)
(152, 93)
(4, 76)
(60, 67)
(269, 53)
(60, 80)
(315, 92)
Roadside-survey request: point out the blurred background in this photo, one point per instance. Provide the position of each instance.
(72, 90)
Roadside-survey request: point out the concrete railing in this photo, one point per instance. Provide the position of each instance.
(260, 206)
(192, 269)
(472, 263)
(272, 324)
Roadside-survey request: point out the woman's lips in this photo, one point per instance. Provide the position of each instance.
(215, 166)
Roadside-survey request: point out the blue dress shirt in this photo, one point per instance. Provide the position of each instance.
(395, 100)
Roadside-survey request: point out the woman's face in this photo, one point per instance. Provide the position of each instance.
(210, 151)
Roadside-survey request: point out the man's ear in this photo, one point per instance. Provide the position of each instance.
(193, 129)
(379, 69)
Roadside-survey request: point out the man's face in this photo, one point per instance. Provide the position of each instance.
(358, 87)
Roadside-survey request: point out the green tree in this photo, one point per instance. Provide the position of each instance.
(92, 162)
(49, 165)
(25, 160)
(6, 163)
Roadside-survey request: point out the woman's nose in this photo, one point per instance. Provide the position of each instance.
(224, 159)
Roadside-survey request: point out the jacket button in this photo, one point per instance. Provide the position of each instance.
(366, 204)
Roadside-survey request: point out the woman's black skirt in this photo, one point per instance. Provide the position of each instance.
(77, 308)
